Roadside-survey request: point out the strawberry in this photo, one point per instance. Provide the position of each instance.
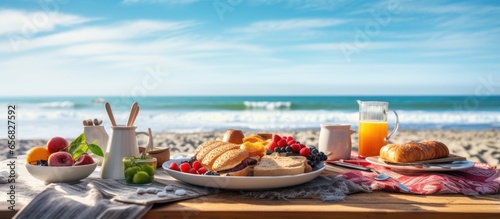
(174, 166)
(305, 152)
(196, 165)
(202, 170)
(290, 142)
(295, 148)
(185, 167)
(272, 146)
(281, 143)
(276, 138)
(193, 171)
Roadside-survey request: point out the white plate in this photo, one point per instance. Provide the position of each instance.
(458, 165)
(243, 182)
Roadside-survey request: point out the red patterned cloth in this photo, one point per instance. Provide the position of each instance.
(480, 179)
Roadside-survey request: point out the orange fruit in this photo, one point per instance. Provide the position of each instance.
(253, 139)
(37, 153)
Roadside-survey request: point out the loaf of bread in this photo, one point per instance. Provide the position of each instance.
(413, 151)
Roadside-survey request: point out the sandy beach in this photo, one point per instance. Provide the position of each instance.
(479, 146)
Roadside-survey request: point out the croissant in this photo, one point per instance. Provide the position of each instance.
(413, 151)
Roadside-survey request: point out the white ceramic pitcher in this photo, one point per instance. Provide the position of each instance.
(122, 143)
(335, 139)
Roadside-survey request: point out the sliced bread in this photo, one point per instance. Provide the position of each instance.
(280, 166)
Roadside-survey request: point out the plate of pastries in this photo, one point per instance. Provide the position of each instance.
(420, 157)
(258, 161)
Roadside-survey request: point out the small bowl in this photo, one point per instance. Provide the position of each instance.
(69, 174)
(161, 154)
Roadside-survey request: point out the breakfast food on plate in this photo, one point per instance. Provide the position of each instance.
(287, 145)
(210, 158)
(206, 147)
(233, 136)
(221, 157)
(280, 166)
(256, 145)
(413, 151)
(234, 163)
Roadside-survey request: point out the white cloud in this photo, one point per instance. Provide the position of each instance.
(287, 25)
(32, 22)
(303, 4)
(117, 31)
(168, 2)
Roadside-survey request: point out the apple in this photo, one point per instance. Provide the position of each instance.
(57, 144)
(84, 159)
(61, 158)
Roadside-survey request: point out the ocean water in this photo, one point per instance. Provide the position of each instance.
(44, 117)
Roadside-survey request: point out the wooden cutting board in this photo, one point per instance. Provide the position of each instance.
(450, 158)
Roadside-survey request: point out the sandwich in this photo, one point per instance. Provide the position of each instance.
(225, 158)
(234, 162)
(281, 166)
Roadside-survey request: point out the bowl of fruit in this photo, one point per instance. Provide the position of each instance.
(60, 161)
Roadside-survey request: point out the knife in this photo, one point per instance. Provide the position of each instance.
(358, 167)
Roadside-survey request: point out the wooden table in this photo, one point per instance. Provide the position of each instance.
(366, 205)
(363, 205)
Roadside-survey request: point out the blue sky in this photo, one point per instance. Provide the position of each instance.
(249, 47)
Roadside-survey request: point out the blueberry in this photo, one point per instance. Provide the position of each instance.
(288, 149)
(283, 150)
(42, 163)
(193, 159)
(277, 149)
(297, 142)
(324, 157)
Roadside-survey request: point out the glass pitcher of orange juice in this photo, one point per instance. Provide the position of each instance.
(373, 127)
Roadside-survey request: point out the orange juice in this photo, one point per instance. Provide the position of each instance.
(372, 136)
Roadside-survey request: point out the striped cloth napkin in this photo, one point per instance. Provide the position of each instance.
(482, 179)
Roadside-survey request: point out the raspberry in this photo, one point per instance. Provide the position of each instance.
(185, 167)
(174, 166)
(193, 171)
(296, 148)
(284, 138)
(196, 165)
(272, 146)
(290, 142)
(305, 152)
(281, 143)
(302, 145)
(202, 170)
(276, 138)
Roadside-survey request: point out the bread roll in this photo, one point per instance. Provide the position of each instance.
(233, 136)
(413, 151)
